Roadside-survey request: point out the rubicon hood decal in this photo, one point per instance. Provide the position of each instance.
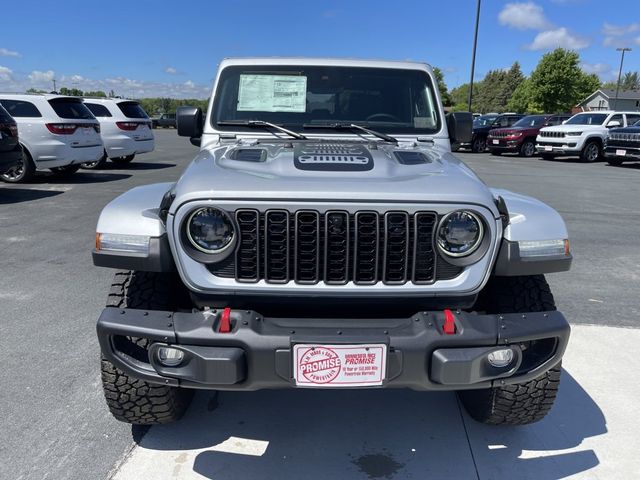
(332, 157)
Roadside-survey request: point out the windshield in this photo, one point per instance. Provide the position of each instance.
(484, 120)
(530, 121)
(384, 99)
(587, 119)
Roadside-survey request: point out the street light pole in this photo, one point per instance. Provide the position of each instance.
(623, 49)
(473, 57)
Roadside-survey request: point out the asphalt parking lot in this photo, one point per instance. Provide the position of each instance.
(55, 424)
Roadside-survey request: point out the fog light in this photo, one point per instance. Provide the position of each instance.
(500, 358)
(170, 357)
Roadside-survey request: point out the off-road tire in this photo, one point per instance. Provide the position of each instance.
(522, 403)
(22, 172)
(131, 400)
(123, 160)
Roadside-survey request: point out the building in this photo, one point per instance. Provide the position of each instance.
(604, 99)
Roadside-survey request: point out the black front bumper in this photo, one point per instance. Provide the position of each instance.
(257, 352)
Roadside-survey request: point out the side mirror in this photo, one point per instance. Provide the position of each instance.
(460, 126)
(613, 124)
(189, 123)
(564, 121)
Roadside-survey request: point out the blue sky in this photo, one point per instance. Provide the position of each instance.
(148, 48)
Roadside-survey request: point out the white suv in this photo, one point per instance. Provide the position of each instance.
(125, 129)
(56, 132)
(582, 135)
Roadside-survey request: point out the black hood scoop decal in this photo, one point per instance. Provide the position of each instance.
(332, 157)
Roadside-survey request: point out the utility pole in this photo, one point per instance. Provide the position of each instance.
(54, 85)
(473, 57)
(623, 49)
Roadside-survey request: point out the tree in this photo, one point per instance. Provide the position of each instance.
(630, 81)
(558, 83)
(460, 97)
(444, 91)
(35, 90)
(73, 92)
(95, 93)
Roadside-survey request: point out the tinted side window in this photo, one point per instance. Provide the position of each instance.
(632, 118)
(20, 108)
(616, 118)
(98, 110)
(553, 121)
(4, 116)
(132, 110)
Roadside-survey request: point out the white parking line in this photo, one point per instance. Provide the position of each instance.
(359, 434)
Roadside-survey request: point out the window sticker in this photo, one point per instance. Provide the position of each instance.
(272, 93)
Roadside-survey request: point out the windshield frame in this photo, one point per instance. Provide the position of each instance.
(302, 126)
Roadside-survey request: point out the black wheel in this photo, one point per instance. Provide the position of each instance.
(546, 156)
(527, 149)
(100, 163)
(131, 400)
(123, 160)
(22, 171)
(65, 171)
(613, 161)
(591, 152)
(522, 403)
(497, 153)
(479, 144)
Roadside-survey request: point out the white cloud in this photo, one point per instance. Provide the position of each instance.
(559, 37)
(604, 71)
(637, 41)
(6, 74)
(8, 53)
(38, 78)
(524, 16)
(619, 30)
(171, 70)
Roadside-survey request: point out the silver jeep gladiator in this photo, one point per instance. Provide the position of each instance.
(325, 237)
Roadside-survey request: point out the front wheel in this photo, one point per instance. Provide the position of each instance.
(123, 160)
(520, 403)
(131, 400)
(591, 152)
(479, 144)
(527, 149)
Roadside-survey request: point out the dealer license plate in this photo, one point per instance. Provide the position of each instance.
(548, 148)
(335, 366)
(496, 142)
(621, 153)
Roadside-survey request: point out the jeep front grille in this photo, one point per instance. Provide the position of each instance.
(334, 247)
(552, 134)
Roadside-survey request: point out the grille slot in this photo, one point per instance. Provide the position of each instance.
(276, 255)
(335, 247)
(552, 134)
(307, 247)
(248, 253)
(396, 247)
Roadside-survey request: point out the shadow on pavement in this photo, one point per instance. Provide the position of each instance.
(539, 451)
(630, 166)
(17, 195)
(82, 176)
(368, 434)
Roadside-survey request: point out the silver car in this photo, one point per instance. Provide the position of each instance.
(324, 236)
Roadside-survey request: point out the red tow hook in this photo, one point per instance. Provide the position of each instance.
(225, 321)
(449, 327)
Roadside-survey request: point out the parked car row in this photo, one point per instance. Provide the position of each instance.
(588, 135)
(62, 133)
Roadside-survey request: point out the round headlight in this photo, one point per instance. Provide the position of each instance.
(209, 230)
(460, 233)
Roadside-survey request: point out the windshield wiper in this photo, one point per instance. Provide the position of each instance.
(352, 126)
(262, 123)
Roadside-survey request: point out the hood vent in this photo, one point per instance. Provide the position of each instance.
(411, 158)
(249, 154)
